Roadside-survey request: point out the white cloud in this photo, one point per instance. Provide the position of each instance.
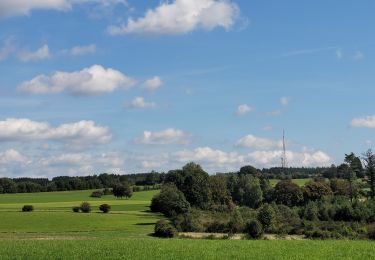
(140, 102)
(94, 80)
(82, 132)
(365, 122)
(294, 159)
(243, 110)
(359, 55)
(82, 50)
(12, 156)
(24, 7)
(153, 83)
(284, 101)
(251, 141)
(167, 136)
(40, 54)
(182, 16)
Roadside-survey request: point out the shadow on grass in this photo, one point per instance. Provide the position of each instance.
(145, 224)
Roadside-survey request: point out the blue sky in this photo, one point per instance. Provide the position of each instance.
(132, 86)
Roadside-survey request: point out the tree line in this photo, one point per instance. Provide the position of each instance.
(340, 206)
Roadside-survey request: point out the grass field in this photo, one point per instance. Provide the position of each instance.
(52, 231)
(299, 182)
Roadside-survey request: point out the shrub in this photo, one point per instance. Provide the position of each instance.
(315, 190)
(189, 222)
(288, 193)
(76, 209)
(266, 216)
(254, 229)
(164, 229)
(85, 207)
(96, 194)
(105, 208)
(371, 232)
(170, 201)
(27, 208)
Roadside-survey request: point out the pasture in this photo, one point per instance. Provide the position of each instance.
(53, 231)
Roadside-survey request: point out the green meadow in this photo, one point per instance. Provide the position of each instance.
(53, 231)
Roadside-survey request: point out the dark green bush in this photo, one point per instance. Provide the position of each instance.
(371, 232)
(27, 208)
(107, 191)
(76, 209)
(96, 194)
(164, 229)
(105, 208)
(267, 216)
(254, 229)
(85, 207)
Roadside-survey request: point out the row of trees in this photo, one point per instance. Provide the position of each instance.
(234, 202)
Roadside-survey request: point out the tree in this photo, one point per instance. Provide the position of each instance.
(254, 229)
(122, 190)
(195, 186)
(249, 170)
(267, 216)
(85, 207)
(315, 190)
(219, 190)
(164, 229)
(288, 193)
(369, 159)
(105, 208)
(170, 201)
(246, 190)
(355, 164)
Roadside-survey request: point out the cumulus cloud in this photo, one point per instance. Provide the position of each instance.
(167, 136)
(243, 110)
(13, 129)
(251, 141)
(94, 80)
(284, 101)
(153, 83)
(40, 54)
(182, 16)
(140, 102)
(82, 50)
(359, 55)
(12, 156)
(365, 122)
(295, 159)
(24, 7)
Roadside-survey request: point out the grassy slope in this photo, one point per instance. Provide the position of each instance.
(54, 232)
(299, 182)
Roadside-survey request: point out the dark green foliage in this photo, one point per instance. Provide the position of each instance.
(236, 223)
(267, 216)
(287, 220)
(249, 170)
(105, 208)
(369, 159)
(76, 209)
(247, 191)
(122, 190)
(288, 193)
(27, 208)
(170, 201)
(96, 194)
(311, 211)
(8, 185)
(189, 222)
(219, 191)
(85, 207)
(254, 229)
(164, 229)
(371, 232)
(315, 190)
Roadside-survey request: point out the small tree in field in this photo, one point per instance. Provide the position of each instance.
(105, 208)
(254, 229)
(123, 190)
(85, 207)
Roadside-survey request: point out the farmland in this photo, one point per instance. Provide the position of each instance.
(54, 231)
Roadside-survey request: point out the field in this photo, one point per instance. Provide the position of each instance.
(299, 182)
(53, 231)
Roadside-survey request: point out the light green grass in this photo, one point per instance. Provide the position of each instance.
(299, 182)
(53, 215)
(186, 249)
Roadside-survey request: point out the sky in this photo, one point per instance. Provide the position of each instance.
(128, 86)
